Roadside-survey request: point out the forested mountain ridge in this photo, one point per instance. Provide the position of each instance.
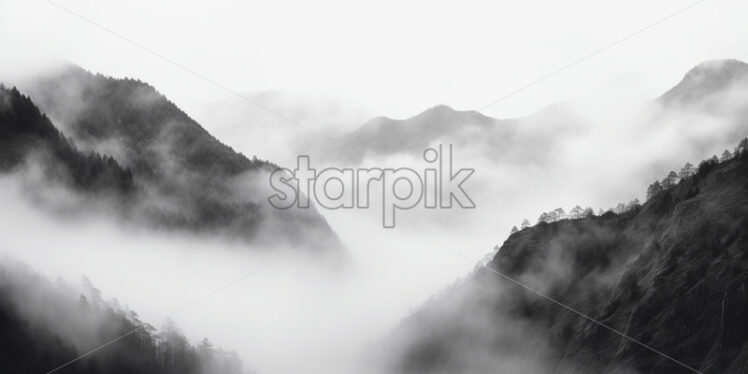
(671, 274)
(191, 181)
(94, 108)
(27, 133)
(45, 325)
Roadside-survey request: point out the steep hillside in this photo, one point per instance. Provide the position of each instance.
(193, 181)
(150, 130)
(44, 325)
(27, 136)
(672, 275)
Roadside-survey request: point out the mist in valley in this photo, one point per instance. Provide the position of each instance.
(163, 88)
(299, 313)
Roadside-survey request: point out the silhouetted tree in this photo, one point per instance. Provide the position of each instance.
(525, 224)
(726, 155)
(687, 171)
(742, 147)
(576, 212)
(59, 317)
(544, 218)
(559, 214)
(552, 216)
(670, 180)
(654, 190)
(706, 166)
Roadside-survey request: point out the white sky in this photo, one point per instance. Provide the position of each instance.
(393, 58)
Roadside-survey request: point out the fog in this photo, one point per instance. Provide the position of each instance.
(465, 55)
(601, 147)
(295, 308)
(616, 149)
(299, 315)
(595, 153)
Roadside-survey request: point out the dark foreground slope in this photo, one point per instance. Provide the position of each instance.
(672, 275)
(192, 181)
(45, 325)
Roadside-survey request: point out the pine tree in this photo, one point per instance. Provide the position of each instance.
(687, 171)
(654, 190)
(544, 218)
(742, 147)
(726, 155)
(670, 180)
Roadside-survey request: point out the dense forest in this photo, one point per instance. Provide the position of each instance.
(670, 274)
(27, 135)
(133, 112)
(186, 179)
(44, 325)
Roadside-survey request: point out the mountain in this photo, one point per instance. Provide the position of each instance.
(45, 325)
(383, 135)
(191, 180)
(707, 79)
(254, 109)
(714, 87)
(671, 274)
(277, 124)
(27, 136)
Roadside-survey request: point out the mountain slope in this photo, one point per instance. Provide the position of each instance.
(706, 79)
(193, 181)
(43, 326)
(499, 139)
(247, 122)
(26, 135)
(717, 88)
(672, 275)
(383, 136)
(95, 109)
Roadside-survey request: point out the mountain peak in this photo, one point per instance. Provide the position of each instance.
(443, 115)
(717, 68)
(707, 78)
(440, 108)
